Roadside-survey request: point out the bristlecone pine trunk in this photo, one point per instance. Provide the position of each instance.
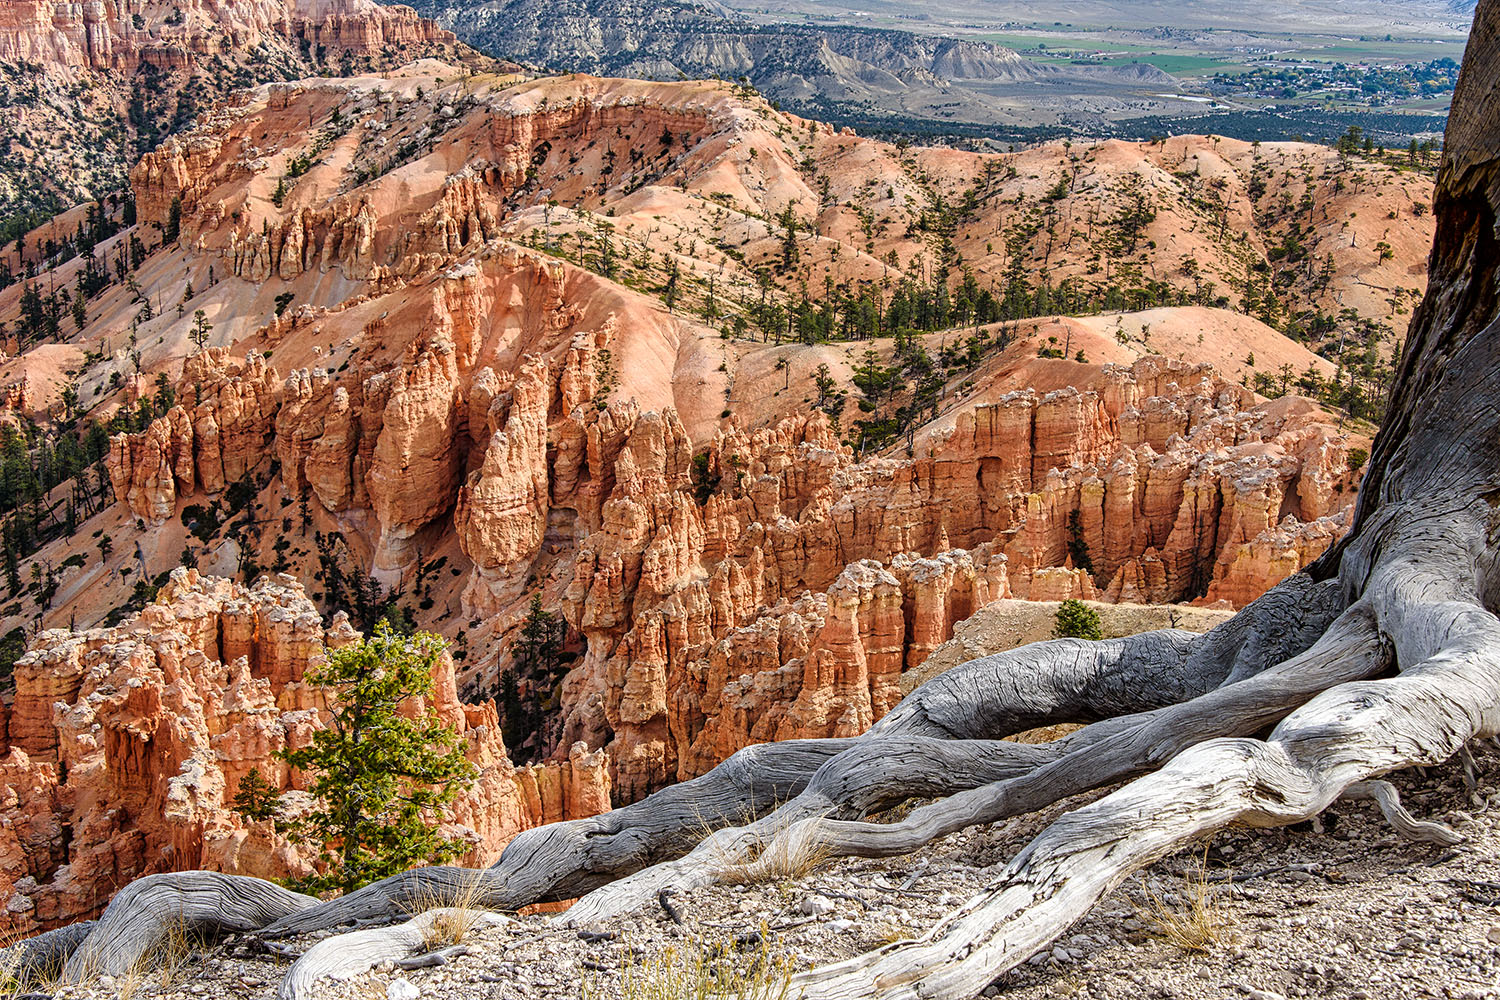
(1382, 655)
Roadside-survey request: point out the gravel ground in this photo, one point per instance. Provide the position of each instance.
(1342, 909)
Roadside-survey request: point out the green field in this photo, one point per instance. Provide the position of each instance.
(1171, 62)
(1080, 41)
(1062, 43)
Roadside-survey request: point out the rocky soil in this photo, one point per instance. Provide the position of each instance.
(1342, 909)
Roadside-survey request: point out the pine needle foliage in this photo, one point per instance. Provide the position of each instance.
(1076, 620)
(257, 799)
(381, 776)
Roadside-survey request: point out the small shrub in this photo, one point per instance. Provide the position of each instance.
(1076, 620)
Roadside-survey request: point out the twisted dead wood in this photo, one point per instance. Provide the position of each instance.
(155, 910)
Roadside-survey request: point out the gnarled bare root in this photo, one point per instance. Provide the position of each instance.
(985, 781)
(358, 951)
(1336, 740)
(40, 959)
(916, 745)
(158, 908)
(1388, 799)
(566, 860)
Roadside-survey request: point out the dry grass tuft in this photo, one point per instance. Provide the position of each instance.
(701, 971)
(10, 961)
(1195, 920)
(129, 984)
(166, 967)
(787, 854)
(173, 957)
(458, 911)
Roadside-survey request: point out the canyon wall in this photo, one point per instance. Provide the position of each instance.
(774, 588)
(120, 36)
(765, 584)
(125, 747)
(728, 573)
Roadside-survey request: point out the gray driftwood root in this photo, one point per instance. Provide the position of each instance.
(348, 954)
(40, 959)
(159, 909)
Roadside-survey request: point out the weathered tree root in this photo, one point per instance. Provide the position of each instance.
(1311, 759)
(154, 911)
(1385, 796)
(40, 959)
(349, 954)
(1098, 755)
(566, 860)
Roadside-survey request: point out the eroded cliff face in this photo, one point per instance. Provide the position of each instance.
(70, 38)
(127, 745)
(107, 79)
(774, 588)
(440, 334)
(763, 584)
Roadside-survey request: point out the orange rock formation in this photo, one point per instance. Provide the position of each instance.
(126, 746)
(416, 332)
(768, 586)
(72, 37)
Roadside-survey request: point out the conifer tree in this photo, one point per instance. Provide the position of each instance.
(1078, 548)
(173, 228)
(536, 658)
(380, 776)
(789, 251)
(201, 327)
(1076, 620)
(257, 799)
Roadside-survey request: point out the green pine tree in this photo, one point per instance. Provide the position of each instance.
(1078, 548)
(257, 799)
(789, 252)
(1076, 620)
(537, 659)
(541, 639)
(380, 777)
(173, 228)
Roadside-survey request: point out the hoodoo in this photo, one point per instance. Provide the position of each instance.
(464, 519)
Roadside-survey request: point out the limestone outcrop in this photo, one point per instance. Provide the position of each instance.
(127, 744)
(764, 584)
(74, 37)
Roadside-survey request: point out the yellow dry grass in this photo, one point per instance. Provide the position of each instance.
(786, 854)
(1195, 920)
(699, 971)
(459, 913)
